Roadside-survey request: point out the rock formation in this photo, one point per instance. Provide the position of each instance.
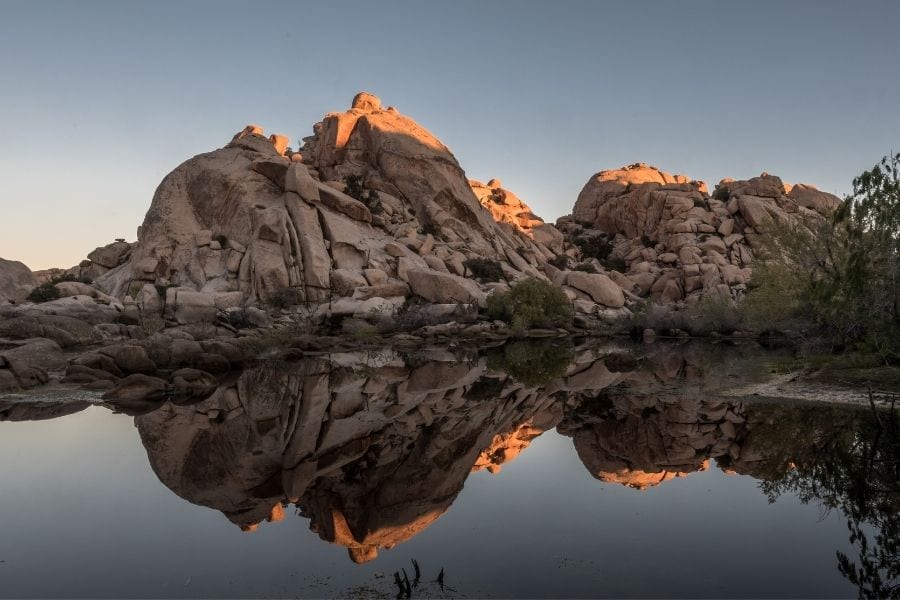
(677, 243)
(16, 281)
(373, 210)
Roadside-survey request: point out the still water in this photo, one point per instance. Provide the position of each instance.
(522, 471)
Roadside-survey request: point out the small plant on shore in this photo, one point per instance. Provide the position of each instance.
(484, 270)
(531, 303)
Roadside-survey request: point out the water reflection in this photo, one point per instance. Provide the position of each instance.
(373, 447)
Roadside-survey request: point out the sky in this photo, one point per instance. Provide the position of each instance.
(101, 99)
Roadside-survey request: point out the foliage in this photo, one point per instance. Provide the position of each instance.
(586, 267)
(841, 272)
(70, 277)
(371, 198)
(560, 261)
(710, 315)
(594, 247)
(531, 303)
(484, 270)
(44, 293)
(285, 298)
(615, 263)
(531, 363)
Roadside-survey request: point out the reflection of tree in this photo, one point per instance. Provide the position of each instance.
(855, 469)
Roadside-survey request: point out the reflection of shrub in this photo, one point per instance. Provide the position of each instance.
(531, 363)
(44, 293)
(484, 270)
(531, 303)
(485, 388)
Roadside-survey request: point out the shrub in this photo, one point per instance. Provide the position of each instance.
(721, 193)
(371, 198)
(594, 247)
(647, 242)
(44, 293)
(586, 267)
(561, 262)
(285, 298)
(69, 277)
(484, 270)
(698, 203)
(531, 303)
(615, 264)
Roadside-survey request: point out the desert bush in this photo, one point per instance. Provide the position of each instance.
(531, 303)
(371, 198)
(285, 298)
(484, 270)
(615, 263)
(710, 315)
(586, 267)
(594, 247)
(43, 293)
(721, 193)
(561, 262)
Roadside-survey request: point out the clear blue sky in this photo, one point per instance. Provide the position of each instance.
(100, 99)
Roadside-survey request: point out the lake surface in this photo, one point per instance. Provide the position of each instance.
(521, 471)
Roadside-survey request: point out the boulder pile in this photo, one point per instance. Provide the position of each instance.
(674, 242)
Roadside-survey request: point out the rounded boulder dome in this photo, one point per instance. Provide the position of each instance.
(366, 101)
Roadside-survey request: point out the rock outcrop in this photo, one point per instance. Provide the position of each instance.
(370, 204)
(676, 243)
(16, 281)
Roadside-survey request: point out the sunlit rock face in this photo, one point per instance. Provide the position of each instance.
(372, 195)
(678, 243)
(505, 207)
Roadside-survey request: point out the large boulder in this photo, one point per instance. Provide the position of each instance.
(16, 281)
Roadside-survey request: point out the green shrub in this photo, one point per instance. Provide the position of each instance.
(44, 293)
(69, 277)
(484, 270)
(586, 267)
(531, 303)
(594, 247)
(721, 193)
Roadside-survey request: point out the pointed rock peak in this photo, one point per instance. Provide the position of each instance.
(366, 101)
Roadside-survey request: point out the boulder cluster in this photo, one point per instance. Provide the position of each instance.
(673, 241)
(374, 214)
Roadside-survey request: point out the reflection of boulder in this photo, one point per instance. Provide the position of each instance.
(638, 435)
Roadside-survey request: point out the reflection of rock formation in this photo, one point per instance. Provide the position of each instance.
(371, 449)
(642, 441)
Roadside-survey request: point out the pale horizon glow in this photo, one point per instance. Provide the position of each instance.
(103, 98)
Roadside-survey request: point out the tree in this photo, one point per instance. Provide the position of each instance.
(840, 272)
